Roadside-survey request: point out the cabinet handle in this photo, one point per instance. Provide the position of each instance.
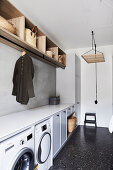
(64, 111)
(57, 115)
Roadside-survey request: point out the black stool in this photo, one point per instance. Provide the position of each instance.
(90, 121)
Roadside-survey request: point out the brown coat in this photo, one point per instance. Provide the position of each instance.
(22, 80)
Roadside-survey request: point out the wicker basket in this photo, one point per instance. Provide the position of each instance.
(31, 39)
(41, 43)
(71, 123)
(7, 25)
(49, 53)
(60, 59)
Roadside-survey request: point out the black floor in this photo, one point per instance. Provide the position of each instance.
(88, 149)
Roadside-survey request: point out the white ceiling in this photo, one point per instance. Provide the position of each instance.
(69, 22)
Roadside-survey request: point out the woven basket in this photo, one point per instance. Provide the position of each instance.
(49, 53)
(41, 43)
(7, 25)
(31, 39)
(71, 123)
(60, 59)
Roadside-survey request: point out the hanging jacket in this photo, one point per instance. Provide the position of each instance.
(22, 79)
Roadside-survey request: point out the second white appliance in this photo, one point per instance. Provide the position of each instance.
(43, 145)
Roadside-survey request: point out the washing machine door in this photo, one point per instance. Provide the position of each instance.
(44, 148)
(24, 161)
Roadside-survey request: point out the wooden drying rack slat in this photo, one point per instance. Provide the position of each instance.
(92, 58)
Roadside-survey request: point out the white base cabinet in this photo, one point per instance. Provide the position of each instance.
(56, 133)
(63, 127)
(60, 128)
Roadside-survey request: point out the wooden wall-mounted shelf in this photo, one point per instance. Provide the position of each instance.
(10, 13)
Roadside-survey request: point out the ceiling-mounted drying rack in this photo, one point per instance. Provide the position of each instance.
(10, 13)
(93, 55)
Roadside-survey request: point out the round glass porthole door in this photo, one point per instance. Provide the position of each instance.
(44, 148)
(24, 161)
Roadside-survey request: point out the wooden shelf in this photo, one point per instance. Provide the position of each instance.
(10, 13)
(17, 43)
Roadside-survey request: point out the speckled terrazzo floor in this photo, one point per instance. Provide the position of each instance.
(88, 149)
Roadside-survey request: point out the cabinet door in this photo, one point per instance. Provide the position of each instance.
(69, 111)
(56, 133)
(73, 108)
(63, 127)
(77, 87)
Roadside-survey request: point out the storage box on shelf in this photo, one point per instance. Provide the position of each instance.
(40, 37)
(14, 17)
(7, 25)
(54, 51)
(30, 37)
(45, 45)
(20, 22)
(41, 43)
(61, 56)
(50, 46)
(30, 33)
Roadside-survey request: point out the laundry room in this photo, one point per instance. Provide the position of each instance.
(56, 85)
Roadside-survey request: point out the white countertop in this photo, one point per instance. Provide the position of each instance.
(13, 123)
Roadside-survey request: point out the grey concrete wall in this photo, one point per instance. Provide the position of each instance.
(44, 82)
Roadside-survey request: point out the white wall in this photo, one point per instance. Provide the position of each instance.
(103, 109)
(65, 80)
(66, 85)
(44, 82)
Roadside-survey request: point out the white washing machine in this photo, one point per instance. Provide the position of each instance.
(43, 145)
(17, 152)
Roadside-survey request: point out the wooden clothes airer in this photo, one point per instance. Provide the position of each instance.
(94, 56)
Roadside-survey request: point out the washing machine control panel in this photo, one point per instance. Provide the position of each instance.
(26, 139)
(30, 136)
(43, 127)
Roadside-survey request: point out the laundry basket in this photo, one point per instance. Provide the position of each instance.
(71, 123)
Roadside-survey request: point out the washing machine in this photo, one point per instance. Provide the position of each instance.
(43, 145)
(17, 152)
